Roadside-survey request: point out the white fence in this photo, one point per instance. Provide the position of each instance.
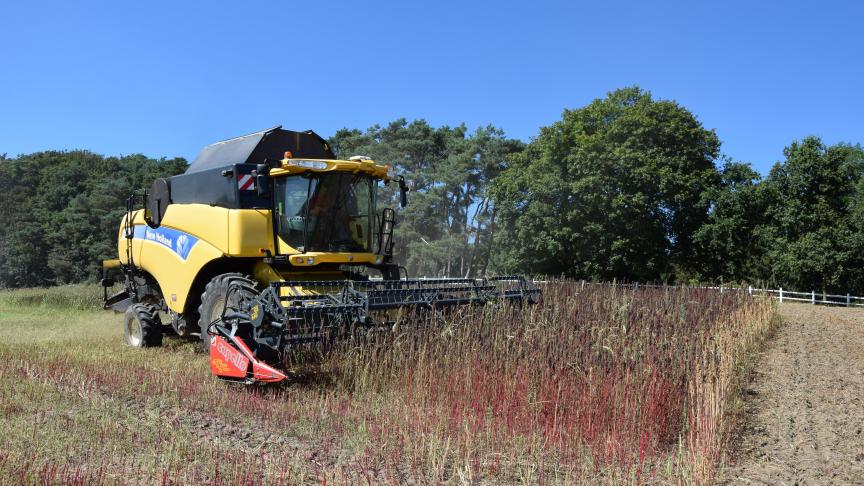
(814, 297)
(811, 297)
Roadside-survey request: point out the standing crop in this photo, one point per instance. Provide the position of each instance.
(602, 381)
(596, 384)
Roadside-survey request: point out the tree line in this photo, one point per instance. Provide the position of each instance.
(628, 187)
(60, 212)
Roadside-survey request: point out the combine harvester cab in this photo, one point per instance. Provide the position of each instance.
(268, 242)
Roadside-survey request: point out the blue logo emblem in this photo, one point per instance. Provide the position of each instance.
(177, 241)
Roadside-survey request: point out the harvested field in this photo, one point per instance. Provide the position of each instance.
(599, 384)
(804, 419)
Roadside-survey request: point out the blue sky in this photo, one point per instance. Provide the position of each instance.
(165, 79)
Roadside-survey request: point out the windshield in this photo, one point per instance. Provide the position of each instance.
(325, 212)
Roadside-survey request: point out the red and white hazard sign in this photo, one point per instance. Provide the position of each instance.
(246, 182)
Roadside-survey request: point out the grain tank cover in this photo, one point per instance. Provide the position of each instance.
(257, 147)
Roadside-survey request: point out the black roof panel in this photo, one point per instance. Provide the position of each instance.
(257, 147)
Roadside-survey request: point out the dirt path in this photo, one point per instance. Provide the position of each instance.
(805, 410)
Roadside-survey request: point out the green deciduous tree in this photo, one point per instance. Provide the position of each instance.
(810, 236)
(799, 228)
(731, 245)
(616, 189)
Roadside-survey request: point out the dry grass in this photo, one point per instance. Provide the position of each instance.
(603, 385)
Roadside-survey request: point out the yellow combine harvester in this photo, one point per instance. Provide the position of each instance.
(268, 242)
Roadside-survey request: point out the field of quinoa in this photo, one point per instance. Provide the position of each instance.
(596, 384)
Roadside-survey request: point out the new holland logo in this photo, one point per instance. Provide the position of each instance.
(181, 245)
(177, 241)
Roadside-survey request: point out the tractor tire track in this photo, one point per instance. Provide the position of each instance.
(805, 410)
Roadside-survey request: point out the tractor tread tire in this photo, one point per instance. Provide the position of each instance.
(218, 288)
(147, 316)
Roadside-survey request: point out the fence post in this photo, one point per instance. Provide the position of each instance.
(847, 300)
(750, 289)
(781, 295)
(813, 297)
(583, 285)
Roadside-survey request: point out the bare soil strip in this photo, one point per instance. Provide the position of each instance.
(805, 409)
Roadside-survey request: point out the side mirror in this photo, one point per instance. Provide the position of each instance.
(403, 191)
(262, 182)
(385, 232)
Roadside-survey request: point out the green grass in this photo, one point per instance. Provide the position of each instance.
(74, 297)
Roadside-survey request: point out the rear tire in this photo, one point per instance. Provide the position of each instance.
(213, 300)
(142, 327)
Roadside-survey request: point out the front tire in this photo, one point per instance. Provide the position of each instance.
(215, 299)
(142, 327)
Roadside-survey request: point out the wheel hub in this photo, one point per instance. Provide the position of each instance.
(135, 333)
